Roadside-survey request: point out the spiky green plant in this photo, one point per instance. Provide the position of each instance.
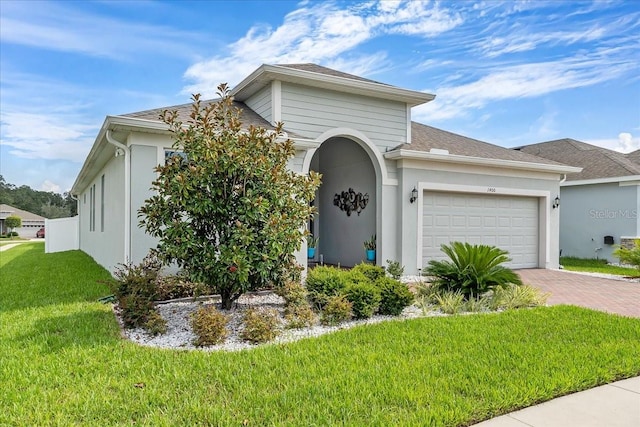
(472, 269)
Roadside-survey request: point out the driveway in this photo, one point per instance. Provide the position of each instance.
(610, 295)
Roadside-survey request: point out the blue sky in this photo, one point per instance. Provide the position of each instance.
(510, 73)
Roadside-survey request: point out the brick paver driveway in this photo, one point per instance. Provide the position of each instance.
(612, 296)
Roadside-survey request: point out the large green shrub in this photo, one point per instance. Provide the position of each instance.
(472, 269)
(230, 212)
(365, 298)
(372, 272)
(395, 296)
(629, 256)
(324, 282)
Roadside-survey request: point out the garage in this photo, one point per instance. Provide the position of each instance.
(506, 221)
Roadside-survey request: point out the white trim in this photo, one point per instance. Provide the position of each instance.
(266, 73)
(276, 102)
(475, 169)
(544, 226)
(456, 158)
(408, 124)
(623, 180)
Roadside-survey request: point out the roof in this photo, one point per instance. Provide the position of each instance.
(8, 210)
(315, 68)
(425, 138)
(596, 162)
(248, 116)
(634, 156)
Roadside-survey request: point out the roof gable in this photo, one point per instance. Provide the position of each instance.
(596, 162)
(8, 210)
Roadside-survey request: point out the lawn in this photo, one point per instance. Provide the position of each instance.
(596, 266)
(63, 362)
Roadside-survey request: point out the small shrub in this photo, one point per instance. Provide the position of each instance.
(209, 325)
(629, 256)
(176, 286)
(324, 282)
(450, 302)
(13, 234)
(477, 305)
(155, 324)
(365, 298)
(512, 297)
(336, 310)
(395, 296)
(134, 310)
(293, 293)
(299, 316)
(260, 325)
(427, 291)
(394, 269)
(372, 272)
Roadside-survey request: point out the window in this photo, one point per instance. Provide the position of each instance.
(171, 153)
(92, 208)
(102, 203)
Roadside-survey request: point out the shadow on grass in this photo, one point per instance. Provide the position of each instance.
(88, 328)
(30, 278)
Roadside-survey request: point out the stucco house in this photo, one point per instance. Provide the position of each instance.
(423, 186)
(31, 222)
(600, 205)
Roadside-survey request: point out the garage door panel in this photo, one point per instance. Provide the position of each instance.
(508, 222)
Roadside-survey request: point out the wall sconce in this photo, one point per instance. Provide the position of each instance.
(414, 195)
(556, 202)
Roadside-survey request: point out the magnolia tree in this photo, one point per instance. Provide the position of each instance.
(229, 212)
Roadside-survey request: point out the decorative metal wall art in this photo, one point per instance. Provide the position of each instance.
(350, 201)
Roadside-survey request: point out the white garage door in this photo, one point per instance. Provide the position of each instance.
(508, 222)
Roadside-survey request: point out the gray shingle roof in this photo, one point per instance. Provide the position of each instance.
(634, 156)
(315, 68)
(597, 162)
(248, 116)
(424, 138)
(8, 210)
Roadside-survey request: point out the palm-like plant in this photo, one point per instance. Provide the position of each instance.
(472, 269)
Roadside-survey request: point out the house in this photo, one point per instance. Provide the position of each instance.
(417, 186)
(599, 206)
(31, 222)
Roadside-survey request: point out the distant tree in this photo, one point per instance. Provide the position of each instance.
(12, 222)
(229, 212)
(44, 203)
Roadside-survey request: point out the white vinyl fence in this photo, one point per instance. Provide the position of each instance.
(61, 234)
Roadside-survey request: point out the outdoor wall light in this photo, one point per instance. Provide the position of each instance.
(414, 195)
(556, 202)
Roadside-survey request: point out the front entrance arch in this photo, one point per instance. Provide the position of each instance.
(344, 165)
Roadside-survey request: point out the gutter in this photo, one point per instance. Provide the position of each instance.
(456, 158)
(127, 192)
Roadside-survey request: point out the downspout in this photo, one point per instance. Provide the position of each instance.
(564, 178)
(127, 194)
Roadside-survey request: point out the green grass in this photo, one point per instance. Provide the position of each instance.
(63, 362)
(596, 266)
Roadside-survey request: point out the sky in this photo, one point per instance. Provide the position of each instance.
(510, 73)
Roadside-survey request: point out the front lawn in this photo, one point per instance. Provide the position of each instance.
(63, 362)
(596, 266)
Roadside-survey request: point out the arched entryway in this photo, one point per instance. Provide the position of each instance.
(344, 166)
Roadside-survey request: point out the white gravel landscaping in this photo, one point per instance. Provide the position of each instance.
(180, 336)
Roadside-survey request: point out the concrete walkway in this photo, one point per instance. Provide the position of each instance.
(611, 405)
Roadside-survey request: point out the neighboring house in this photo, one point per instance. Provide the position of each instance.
(31, 222)
(424, 186)
(600, 205)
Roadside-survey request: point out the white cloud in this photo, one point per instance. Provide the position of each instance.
(522, 81)
(321, 33)
(49, 186)
(624, 143)
(46, 136)
(59, 27)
